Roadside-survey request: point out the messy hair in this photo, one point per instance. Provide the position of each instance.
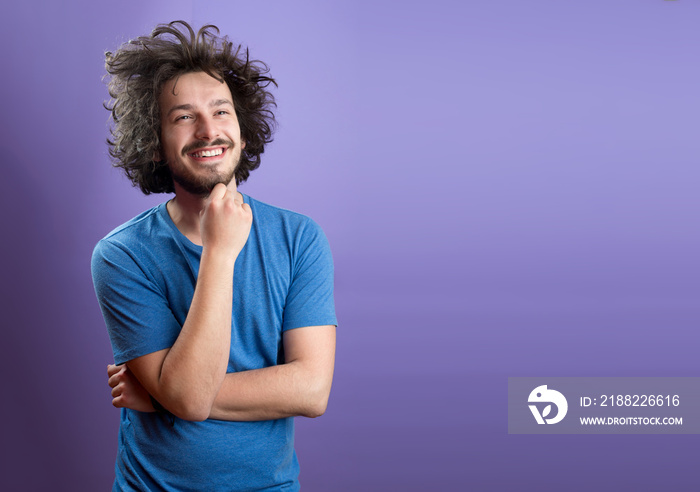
(138, 71)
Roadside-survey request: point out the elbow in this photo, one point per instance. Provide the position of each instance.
(317, 404)
(186, 402)
(189, 409)
(316, 411)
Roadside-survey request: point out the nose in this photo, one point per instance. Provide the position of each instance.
(206, 129)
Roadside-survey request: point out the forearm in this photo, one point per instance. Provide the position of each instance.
(261, 394)
(286, 390)
(196, 364)
(193, 370)
(299, 387)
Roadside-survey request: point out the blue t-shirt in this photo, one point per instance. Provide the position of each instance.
(145, 272)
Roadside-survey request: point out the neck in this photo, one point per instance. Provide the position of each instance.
(185, 208)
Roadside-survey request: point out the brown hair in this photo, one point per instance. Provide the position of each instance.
(138, 71)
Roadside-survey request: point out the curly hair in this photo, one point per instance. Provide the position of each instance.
(138, 71)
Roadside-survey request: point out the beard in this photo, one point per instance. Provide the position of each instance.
(202, 184)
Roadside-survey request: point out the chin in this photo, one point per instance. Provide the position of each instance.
(200, 187)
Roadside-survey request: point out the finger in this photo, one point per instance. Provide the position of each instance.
(114, 380)
(117, 402)
(113, 369)
(117, 376)
(218, 192)
(117, 390)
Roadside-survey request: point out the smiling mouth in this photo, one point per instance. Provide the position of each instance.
(208, 153)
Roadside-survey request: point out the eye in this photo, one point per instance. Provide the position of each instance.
(222, 112)
(183, 117)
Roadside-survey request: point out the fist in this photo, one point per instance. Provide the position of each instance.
(127, 391)
(225, 221)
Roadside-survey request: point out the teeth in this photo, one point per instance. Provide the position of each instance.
(209, 153)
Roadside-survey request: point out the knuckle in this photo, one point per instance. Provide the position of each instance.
(116, 391)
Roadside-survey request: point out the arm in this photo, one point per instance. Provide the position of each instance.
(299, 387)
(186, 378)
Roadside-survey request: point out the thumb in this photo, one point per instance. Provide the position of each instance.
(218, 192)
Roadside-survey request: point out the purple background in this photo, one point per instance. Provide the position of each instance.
(510, 188)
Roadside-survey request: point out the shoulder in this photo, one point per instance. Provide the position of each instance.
(134, 239)
(272, 212)
(281, 220)
(134, 226)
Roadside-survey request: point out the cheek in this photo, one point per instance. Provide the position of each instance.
(170, 144)
(237, 131)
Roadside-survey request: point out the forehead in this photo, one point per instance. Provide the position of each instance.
(194, 88)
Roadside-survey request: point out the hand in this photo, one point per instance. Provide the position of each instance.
(225, 221)
(127, 391)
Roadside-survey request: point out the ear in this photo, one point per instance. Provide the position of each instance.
(242, 144)
(156, 156)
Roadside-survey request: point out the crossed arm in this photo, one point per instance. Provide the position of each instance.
(299, 387)
(190, 380)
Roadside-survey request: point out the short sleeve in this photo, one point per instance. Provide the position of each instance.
(310, 296)
(138, 317)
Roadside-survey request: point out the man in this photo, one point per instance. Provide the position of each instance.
(219, 307)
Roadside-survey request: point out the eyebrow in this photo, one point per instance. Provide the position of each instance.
(188, 107)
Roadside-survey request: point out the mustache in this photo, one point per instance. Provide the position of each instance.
(200, 145)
